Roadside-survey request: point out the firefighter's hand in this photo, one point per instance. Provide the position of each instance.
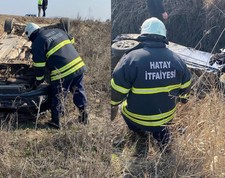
(218, 58)
(114, 111)
(165, 15)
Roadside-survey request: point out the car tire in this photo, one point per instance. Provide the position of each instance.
(8, 26)
(119, 48)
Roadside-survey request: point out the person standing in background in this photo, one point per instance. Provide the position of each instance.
(44, 6)
(39, 7)
(156, 9)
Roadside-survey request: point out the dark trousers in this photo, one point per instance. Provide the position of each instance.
(44, 9)
(60, 91)
(160, 133)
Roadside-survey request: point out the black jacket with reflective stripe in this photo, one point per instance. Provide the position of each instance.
(52, 48)
(150, 79)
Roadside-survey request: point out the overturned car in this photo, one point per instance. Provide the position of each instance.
(17, 92)
(205, 76)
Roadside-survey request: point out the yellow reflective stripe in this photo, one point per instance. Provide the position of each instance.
(39, 64)
(185, 85)
(146, 123)
(149, 117)
(155, 90)
(40, 78)
(184, 96)
(62, 75)
(119, 88)
(57, 47)
(66, 67)
(114, 102)
(73, 41)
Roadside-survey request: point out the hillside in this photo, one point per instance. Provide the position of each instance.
(33, 150)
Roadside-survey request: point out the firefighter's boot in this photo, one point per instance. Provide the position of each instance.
(54, 123)
(83, 117)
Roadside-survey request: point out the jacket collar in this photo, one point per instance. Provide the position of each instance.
(152, 39)
(154, 44)
(34, 35)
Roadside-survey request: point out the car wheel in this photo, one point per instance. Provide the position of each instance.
(119, 48)
(8, 26)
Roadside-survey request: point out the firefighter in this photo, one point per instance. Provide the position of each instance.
(156, 9)
(44, 7)
(53, 50)
(148, 81)
(39, 7)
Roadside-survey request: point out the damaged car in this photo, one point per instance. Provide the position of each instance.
(18, 96)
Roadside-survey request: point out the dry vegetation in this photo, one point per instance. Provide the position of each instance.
(198, 146)
(194, 23)
(104, 149)
(32, 150)
(197, 149)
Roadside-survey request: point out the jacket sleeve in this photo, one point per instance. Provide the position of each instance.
(159, 6)
(122, 81)
(71, 38)
(185, 85)
(39, 63)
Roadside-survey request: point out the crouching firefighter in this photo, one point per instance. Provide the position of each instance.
(53, 50)
(148, 81)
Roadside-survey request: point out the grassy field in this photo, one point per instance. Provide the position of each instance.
(198, 146)
(105, 149)
(33, 150)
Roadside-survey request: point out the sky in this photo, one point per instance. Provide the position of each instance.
(86, 9)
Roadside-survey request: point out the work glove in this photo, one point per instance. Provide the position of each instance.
(114, 111)
(218, 58)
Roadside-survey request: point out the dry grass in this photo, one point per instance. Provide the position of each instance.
(198, 146)
(32, 150)
(197, 149)
(194, 23)
(104, 149)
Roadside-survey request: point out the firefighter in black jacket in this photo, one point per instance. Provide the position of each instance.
(156, 9)
(148, 81)
(53, 49)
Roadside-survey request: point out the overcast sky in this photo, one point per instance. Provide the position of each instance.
(86, 9)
